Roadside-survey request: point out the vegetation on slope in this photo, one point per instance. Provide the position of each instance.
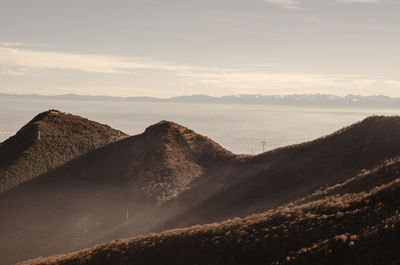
(363, 181)
(113, 191)
(254, 184)
(49, 140)
(170, 158)
(356, 228)
(169, 176)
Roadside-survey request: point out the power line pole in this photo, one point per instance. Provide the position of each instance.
(263, 145)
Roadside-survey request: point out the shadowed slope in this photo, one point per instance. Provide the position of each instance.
(88, 200)
(357, 228)
(159, 163)
(172, 158)
(258, 183)
(170, 176)
(49, 140)
(363, 181)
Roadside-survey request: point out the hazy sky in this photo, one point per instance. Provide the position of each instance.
(218, 47)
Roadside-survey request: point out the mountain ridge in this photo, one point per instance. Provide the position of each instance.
(171, 177)
(130, 177)
(256, 182)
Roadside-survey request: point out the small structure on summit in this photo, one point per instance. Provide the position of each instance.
(263, 143)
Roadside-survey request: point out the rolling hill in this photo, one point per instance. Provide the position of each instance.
(91, 199)
(257, 183)
(47, 141)
(170, 176)
(354, 228)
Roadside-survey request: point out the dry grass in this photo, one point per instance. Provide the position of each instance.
(62, 137)
(173, 157)
(213, 184)
(358, 228)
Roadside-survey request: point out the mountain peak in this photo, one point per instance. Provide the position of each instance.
(179, 136)
(164, 126)
(50, 139)
(49, 113)
(172, 156)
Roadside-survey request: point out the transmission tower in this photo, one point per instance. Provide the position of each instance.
(263, 143)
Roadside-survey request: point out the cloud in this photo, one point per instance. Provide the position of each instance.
(251, 80)
(290, 4)
(281, 83)
(21, 44)
(12, 59)
(262, 80)
(296, 4)
(183, 79)
(14, 71)
(392, 83)
(359, 1)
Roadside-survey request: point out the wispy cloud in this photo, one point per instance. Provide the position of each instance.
(21, 44)
(183, 79)
(263, 82)
(297, 4)
(13, 59)
(360, 1)
(290, 4)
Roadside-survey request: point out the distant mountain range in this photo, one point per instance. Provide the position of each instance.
(333, 200)
(317, 100)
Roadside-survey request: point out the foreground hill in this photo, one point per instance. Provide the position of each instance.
(170, 177)
(90, 199)
(49, 140)
(355, 228)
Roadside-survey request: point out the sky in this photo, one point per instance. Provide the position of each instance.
(216, 47)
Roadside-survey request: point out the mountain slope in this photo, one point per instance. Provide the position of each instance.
(90, 199)
(49, 140)
(172, 158)
(356, 228)
(258, 183)
(169, 176)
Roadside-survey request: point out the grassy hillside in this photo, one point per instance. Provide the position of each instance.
(356, 228)
(49, 140)
(118, 188)
(257, 183)
(170, 177)
(167, 158)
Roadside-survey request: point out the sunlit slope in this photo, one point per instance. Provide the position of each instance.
(355, 228)
(49, 140)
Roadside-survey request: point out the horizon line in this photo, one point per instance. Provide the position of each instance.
(193, 95)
